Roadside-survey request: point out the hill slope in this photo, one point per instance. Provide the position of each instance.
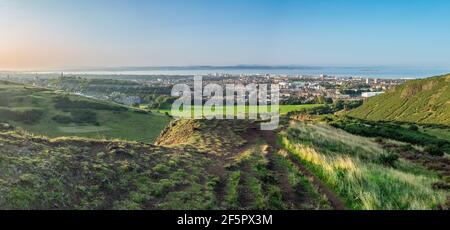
(425, 101)
(78, 173)
(55, 114)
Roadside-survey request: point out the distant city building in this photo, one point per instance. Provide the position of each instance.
(370, 94)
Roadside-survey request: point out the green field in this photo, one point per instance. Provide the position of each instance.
(284, 109)
(34, 109)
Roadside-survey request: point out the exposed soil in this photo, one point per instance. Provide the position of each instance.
(335, 201)
(224, 163)
(245, 199)
(271, 138)
(220, 168)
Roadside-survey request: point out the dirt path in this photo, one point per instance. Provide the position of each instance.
(295, 198)
(335, 201)
(271, 139)
(245, 199)
(291, 196)
(220, 169)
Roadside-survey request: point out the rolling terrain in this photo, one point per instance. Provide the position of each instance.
(425, 101)
(62, 151)
(80, 173)
(56, 114)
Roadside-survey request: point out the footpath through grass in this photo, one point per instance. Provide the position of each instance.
(360, 171)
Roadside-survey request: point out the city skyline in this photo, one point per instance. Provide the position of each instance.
(47, 34)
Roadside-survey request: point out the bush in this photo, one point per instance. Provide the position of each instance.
(65, 103)
(434, 150)
(84, 116)
(388, 159)
(407, 148)
(379, 140)
(414, 128)
(28, 116)
(62, 119)
(78, 116)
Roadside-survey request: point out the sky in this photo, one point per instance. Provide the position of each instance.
(51, 34)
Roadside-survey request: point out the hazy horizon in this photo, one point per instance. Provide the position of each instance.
(291, 70)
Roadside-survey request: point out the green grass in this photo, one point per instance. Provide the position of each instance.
(350, 166)
(79, 173)
(261, 184)
(232, 190)
(284, 109)
(437, 132)
(123, 123)
(298, 179)
(82, 129)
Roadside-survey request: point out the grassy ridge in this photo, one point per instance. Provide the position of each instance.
(78, 173)
(57, 114)
(425, 101)
(252, 175)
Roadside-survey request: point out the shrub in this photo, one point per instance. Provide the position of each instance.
(407, 148)
(379, 140)
(434, 150)
(414, 128)
(64, 103)
(28, 117)
(388, 159)
(62, 119)
(84, 116)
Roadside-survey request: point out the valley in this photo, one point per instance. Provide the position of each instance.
(59, 150)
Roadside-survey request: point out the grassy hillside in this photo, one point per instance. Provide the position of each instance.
(56, 114)
(425, 101)
(78, 173)
(367, 174)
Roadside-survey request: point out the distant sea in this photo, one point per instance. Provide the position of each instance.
(369, 72)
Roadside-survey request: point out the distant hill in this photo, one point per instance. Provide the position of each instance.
(56, 114)
(425, 101)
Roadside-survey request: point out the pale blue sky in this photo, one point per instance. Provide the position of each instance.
(87, 33)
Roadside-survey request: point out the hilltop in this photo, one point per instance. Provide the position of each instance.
(79, 173)
(425, 101)
(56, 114)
